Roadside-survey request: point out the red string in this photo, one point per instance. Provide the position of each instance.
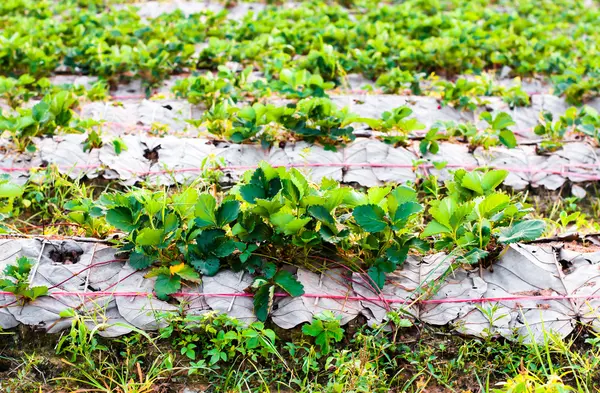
(551, 171)
(329, 296)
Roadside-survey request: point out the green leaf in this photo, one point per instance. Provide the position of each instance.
(263, 301)
(503, 120)
(507, 138)
(207, 239)
(67, 313)
(35, 292)
(227, 213)
(205, 211)
(377, 276)
(435, 228)
(286, 281)
(493, 179)
(140, 261)
(149, 237)
(370, 218)
(40, 112)
(473, 256)
(406, 210)
(313, 329)
(321, 213)
(184, 203)
(290, 191)
(225, 249)
(472, 181)
(522, 231)
(166, 285)
(376, 194)
(10, 190)
(121, 218)
(209, 266)
(171, 223)
(287, 223)
(251, 192)
(187, 273)
(397, 254)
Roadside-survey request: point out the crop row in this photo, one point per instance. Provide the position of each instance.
(317, 120)
(276, 217)
(396, 44)
(49, 283)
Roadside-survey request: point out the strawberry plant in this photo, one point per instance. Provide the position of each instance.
(53, 112)
(462, 95)
(325, 62)
(210, 89)
(93, 141)
(326, 330)
(16, 281)
(554, 131)
(266, 286)
(8, 193)
(474, 216)
(17, 91)
(301, 84)
(577, 88)
(398, 125)
(397, 81)
(154, 224)
(429, 142)
(238, 124)
(319, 120)
(496, 132)
(87, 215)
(386, 219)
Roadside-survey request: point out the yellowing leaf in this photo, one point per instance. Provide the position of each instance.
(176, 268)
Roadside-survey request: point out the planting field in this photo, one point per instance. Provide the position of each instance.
(343, 196)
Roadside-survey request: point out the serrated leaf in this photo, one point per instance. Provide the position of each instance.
(184, 203)
(41, 112)
(140, 261)
(377, 276)
(472, 181)
(503, 120)
(251, 192)
(473, 256)
(149, 237)
(207, 239)
(208, 266)
(225, 249)
(397, 254)
(166, 285)
(121, 218)
(287, 223)
(522, 231)
(493, 179)
(434, 228)
(263, 301)
(227, 213)
(406, 210)
(187, 273)
(313, 329)
(205, 211)
(321, 213)
(286, 281)
(370, 218)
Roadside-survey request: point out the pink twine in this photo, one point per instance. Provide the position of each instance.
(552, 171)
(129, 97)
(329, 296)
